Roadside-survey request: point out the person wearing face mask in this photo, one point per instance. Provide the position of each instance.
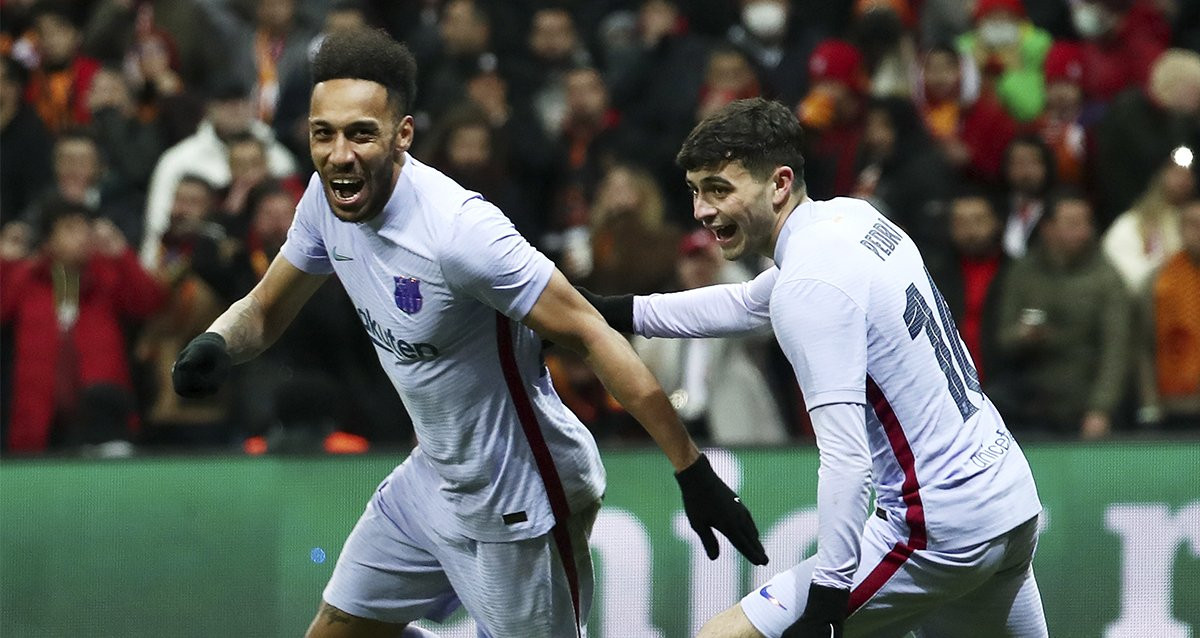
(1120, 39)
(1009, 52)
(766, 35)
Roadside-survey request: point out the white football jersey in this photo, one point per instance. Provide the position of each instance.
(861, 322)
(441, 280)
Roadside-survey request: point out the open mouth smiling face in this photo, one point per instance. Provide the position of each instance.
(357, 141)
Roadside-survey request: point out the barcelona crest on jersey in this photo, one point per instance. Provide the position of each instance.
(408, 294)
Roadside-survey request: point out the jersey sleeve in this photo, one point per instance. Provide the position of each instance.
(823, 332)
(484, 256)
(712, 311)
(843, 491)
(305, 246)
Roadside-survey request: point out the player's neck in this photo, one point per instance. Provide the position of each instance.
(787, 208)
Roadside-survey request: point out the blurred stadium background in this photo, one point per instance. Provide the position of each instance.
(175, 130)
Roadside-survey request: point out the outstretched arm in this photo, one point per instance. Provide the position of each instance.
(563, 316)
(712, 311)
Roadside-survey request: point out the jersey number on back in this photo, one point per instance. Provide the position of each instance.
(947, 347)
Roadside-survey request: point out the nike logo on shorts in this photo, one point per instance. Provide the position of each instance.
(774, 601)
(337, 257)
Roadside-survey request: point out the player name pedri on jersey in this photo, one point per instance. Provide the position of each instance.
(881, 240)
(404, 351)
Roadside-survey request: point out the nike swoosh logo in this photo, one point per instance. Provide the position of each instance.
(774, 601)
(337, 257)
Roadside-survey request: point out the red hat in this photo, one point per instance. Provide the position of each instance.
(696, 241)
(984, 7)
(836, 60)
(1064, 61)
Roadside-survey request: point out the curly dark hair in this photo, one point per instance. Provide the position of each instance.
(369, 54)
(761, 134)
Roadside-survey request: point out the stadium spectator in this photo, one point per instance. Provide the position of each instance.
(171, 44)
(901, 172)
(777, 45)
(970, 126)
(59, 84)
(130, 145)
(195, 261)
(529, 157)
(25, 165)
(1008, 50)
(554, 49)
(1145, 236)
(82, 176)
(716, 385)
(1171, 374)
(250, 170)
(263, 53)
(1120, 41)
(832, 114)
(656, 86)
(883, 31)
(728, 76)
(625, 248)
(66, 306)
(587, 143)
(969, 275)
(1064, 330)
(1141, 127)
(466, 49)
(1028, 180)
(1065, 122)
(205, 153)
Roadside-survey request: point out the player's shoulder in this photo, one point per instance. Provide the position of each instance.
(435, 192)
(843, 231)
(838, 242)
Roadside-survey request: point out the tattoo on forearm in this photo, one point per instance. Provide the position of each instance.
(241, 326)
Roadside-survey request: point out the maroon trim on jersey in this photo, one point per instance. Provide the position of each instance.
(914, 514)
(910, 490)
(541, 456)
(879, 576)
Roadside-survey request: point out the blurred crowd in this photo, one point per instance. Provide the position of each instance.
(1040, 153)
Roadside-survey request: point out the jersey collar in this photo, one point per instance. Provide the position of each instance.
(801, 216)
(403, 196)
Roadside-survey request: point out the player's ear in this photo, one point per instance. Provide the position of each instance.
(404, 138)
(781, 184)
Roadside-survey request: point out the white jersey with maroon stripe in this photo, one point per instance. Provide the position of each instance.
(441, 281)
(862, 323)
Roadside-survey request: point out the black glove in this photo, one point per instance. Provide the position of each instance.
(202, 366)
(617, 310)
(824, 614)
(710, 504)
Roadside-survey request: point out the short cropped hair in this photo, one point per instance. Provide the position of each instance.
(372, 55)
(760, 134)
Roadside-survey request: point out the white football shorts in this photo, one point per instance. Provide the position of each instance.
(981, 591)
(395, 567)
